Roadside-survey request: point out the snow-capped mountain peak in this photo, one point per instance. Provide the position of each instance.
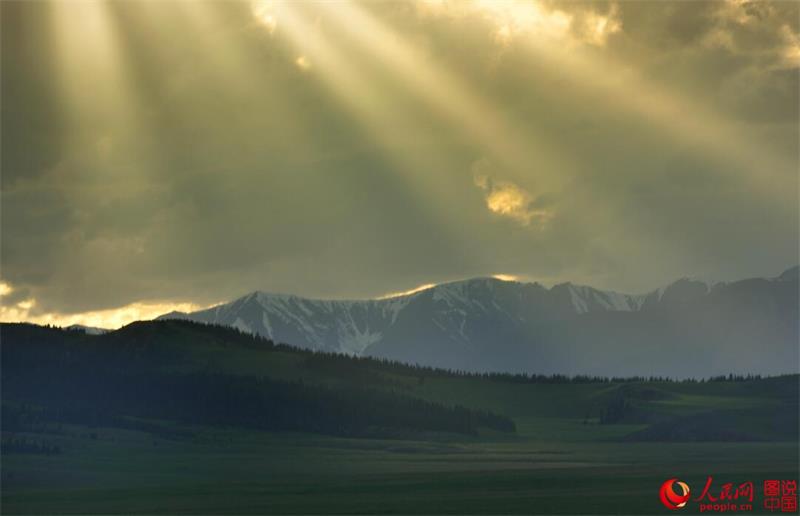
(454, 308)
(486, 324)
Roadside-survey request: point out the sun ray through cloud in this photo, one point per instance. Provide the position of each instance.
(376, 112)
(680, 118)
(169, 132)
(448, 96)
(543, 30)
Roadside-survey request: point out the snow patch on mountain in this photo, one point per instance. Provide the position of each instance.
(350, 327)
(239, 324)
(460, 311)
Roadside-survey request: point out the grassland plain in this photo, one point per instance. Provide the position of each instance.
(567, 455)
(236, 472)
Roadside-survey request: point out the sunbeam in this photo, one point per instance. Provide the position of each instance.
(97, 88)
(682, 119)
(169, 152)
(546, 32)
(393, 130)
(449, 97)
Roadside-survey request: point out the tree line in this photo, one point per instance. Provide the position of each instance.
(98, 397)
(315, 359)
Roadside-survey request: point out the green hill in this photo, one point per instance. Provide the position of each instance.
(178, 370)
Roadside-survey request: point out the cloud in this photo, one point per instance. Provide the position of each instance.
(506, 199)
(596, 27)
(26, 310)
(514, 19)
(264, 13)
(764, 32)
(241, 173)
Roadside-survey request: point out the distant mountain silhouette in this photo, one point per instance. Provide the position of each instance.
(688, 328)
(89, 330)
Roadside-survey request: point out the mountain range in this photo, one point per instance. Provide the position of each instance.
(686, 329)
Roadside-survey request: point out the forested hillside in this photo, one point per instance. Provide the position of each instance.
(151, 371)
(181, 373)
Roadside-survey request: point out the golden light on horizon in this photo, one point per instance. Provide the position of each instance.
(109, 319)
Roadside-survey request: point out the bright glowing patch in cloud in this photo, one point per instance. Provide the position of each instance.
(514, 17)
(517, 18)
(598, 27)
(503, 35)
(303, 63)
(25, 305)
(791, 52)
(263, 11)
(509, 200)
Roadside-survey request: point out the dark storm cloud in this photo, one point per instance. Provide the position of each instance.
(229, 168)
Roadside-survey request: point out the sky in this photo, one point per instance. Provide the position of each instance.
(174, 154)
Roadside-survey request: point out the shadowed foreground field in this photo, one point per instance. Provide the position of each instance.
(583, 446)
(236, 472)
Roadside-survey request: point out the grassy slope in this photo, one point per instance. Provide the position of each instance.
(555, 464)
(524, 402)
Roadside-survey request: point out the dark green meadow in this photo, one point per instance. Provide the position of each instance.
(579, 447)
(240, 472)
